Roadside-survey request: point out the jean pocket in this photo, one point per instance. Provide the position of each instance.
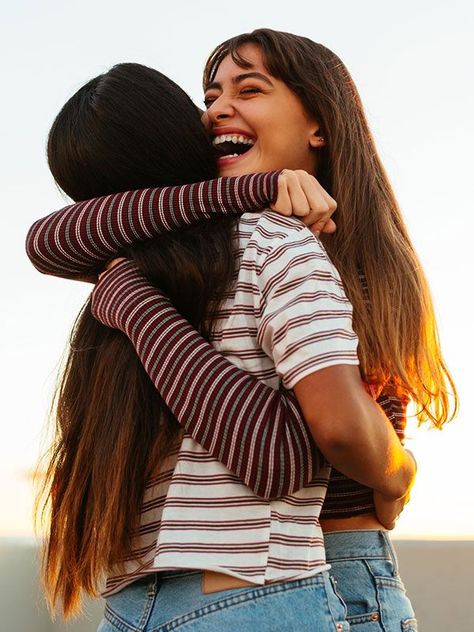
(355, 585)
(385, 574)
(383, 568)
(106, 626)
(338, 595)
(409, 625)
(130, 608)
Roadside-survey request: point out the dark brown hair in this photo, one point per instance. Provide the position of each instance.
(396, 327)
(129, 128)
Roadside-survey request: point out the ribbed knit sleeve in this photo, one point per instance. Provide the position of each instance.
(256, 432)
(78, 239)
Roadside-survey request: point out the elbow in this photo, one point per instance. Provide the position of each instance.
(333, 436)
(344, 425)
(275, 481)
(284, 478)
(32, 253)
(273, 485)
(403, 475)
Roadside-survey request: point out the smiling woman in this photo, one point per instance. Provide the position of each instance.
(261, 109)
(346, 163)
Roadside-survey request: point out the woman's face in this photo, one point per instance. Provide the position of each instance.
(257, 123)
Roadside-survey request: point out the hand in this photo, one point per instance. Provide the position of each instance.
(110, 265)
(300, 194)
(388, 510)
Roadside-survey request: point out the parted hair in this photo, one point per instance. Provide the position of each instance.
(129, 128)
(398, 337)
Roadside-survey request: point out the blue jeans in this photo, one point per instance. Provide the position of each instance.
(365, 568)
(175, 601)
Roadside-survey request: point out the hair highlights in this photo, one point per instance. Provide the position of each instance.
(396, 326)
(130, 128)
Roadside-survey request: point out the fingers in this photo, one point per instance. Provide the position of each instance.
(323, 226)
(283, 204)
(110, 265)
(319, 200)
(322, 207)
(291, 198)
(300, 194)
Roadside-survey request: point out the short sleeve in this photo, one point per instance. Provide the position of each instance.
(305, 317)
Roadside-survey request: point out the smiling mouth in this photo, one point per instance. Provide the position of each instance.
(231, 145)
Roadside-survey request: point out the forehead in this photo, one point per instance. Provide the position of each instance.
(251, 53)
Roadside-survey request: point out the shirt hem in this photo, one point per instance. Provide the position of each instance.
(321, 568)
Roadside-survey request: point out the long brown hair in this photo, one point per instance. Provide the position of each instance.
(129, 128)
(396, 327)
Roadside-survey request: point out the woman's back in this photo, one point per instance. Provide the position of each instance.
(285, 316)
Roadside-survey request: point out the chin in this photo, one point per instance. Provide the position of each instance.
(234, 170)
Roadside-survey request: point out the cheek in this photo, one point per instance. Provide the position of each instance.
(291, 139)
(206, 121)
(284, 126)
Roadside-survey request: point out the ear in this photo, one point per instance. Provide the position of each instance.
(316, 140)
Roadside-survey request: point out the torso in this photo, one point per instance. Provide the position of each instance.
(369, 521)
(198, 514)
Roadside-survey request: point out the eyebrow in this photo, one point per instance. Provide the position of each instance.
(239, 78)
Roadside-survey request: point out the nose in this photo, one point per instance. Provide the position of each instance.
(220, 109)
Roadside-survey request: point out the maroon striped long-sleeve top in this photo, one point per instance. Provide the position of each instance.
(77, 240)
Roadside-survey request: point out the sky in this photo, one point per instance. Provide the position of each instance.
(413, 64)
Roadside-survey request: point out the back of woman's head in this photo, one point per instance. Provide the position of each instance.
(396, 326)
(129, 128)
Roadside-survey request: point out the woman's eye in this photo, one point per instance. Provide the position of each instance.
(250, 91)
(209, 100)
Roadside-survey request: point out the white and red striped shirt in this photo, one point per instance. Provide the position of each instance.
(286, 317)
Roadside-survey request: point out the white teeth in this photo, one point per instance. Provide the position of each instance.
(230, 156)
(232, 138)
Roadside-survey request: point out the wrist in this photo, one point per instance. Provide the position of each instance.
(271, 180)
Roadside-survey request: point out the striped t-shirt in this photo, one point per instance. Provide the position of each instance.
(285, 317)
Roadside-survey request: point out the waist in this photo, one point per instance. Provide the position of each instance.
(367, 521)
(347, 542)
(213, 581)
(359, 543)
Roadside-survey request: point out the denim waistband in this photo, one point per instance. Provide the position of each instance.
(346, 545)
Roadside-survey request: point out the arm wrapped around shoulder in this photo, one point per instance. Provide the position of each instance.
(263, 440)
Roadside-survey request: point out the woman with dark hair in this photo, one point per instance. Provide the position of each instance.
(116, 446)
(103, 306)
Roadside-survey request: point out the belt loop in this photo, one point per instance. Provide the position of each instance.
(149, 602)
(151, 589)
(392, 553)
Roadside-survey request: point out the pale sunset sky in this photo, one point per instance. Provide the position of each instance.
(413, 64)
